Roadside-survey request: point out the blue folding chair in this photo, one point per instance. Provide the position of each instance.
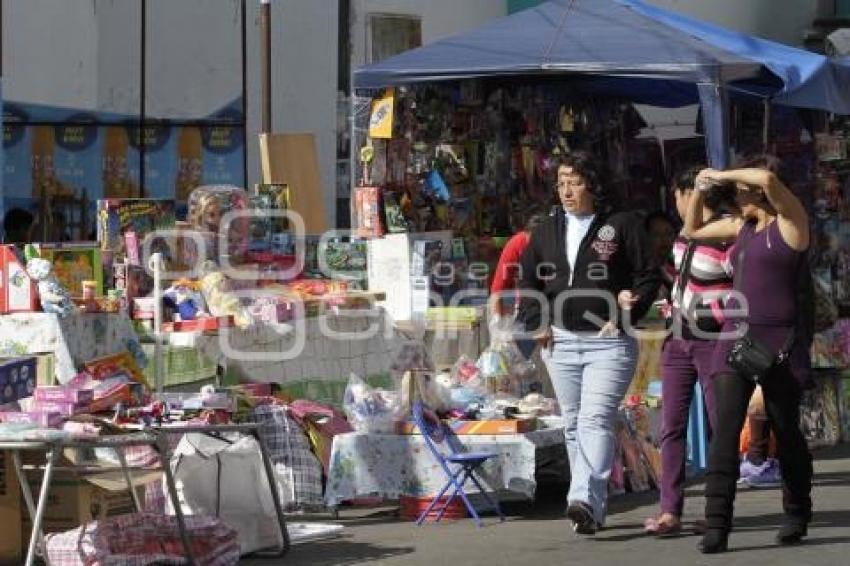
(466, 464)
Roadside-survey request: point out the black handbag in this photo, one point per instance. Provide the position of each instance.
(749, 357)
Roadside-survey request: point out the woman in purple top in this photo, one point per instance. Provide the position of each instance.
(774, 231)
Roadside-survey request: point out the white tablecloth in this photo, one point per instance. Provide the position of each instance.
(312, 358)
(390, 465)
(73, 340)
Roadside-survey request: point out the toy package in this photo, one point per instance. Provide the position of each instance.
(261, 224)
(74, 263)
(18, 291)
(367, 206)
(343, 260)
(279, 199)
(393, 214)
(117, 217)
(208, 205)
(107, 367)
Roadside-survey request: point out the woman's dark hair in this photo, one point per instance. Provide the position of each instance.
(16, 224)
(684, 179)
(535, 220)
(592, 170)
(720, 198)
(657, 215)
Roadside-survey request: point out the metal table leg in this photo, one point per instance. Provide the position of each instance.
(36, 539)
(28, 500)
(267, 463)
(128, 476)
(162, 448)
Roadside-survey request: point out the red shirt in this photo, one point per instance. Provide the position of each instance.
(508, 270)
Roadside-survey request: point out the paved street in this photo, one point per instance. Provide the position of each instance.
(542, 536)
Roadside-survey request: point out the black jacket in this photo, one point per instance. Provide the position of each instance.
(614, 256)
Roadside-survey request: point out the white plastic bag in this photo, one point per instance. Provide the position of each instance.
(368, 409)
(227, 480)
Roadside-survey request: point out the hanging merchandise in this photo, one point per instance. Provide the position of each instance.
(367, 203)
(381, 118)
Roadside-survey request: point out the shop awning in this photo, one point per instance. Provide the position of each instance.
(621, 38)
(599, 37)
(629, 49)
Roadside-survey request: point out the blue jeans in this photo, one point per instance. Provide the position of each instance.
(590, 376)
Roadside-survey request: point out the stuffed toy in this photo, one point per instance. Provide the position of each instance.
(184, 299)
(54, 298)
(220, 300)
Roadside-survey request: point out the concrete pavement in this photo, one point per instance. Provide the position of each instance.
(541, 535)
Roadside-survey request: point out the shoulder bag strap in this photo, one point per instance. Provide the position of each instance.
(684, 273)
(737, 285)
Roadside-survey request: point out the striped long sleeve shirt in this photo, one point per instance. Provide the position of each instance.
(709, 278)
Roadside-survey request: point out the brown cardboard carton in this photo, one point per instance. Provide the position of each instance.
(10, 512)
(73, 500)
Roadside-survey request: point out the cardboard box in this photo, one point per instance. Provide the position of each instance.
(18, 293)
(64, 408)
(74, 263)
(17, 378)
(116, 217)
(198, 325)
(367, 208)
(10, 512)
(61, 393)
(390, 257)
(48, 419)
(45, 369)
(516, 426)
(73, 500)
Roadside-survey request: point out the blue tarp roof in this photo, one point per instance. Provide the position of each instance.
(654, 54)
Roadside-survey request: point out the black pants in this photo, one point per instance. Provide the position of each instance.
(782, 395)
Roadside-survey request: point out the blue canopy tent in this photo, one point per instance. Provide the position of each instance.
(629, 49)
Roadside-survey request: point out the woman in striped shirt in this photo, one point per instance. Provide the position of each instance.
(701, 284)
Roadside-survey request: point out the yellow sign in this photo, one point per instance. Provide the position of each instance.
(381, 121)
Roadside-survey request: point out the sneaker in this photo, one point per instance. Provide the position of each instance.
(768, 475)
(582, 517)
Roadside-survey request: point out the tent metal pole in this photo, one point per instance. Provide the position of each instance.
(266, 61)
(714, 101)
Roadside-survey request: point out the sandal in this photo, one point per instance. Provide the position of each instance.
(664, 526)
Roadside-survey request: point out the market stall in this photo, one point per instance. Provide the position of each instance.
(258, 322)
(454, 137)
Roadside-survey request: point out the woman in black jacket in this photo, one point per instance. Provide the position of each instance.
(586, 276)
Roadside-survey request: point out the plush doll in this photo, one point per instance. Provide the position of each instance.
(184, 299)
(220, 300)
(54, 298)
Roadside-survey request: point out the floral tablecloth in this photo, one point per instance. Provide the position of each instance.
(390, 465)
(73, 340)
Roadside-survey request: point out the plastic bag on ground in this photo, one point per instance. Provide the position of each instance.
(368, 409)
(219, 478)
